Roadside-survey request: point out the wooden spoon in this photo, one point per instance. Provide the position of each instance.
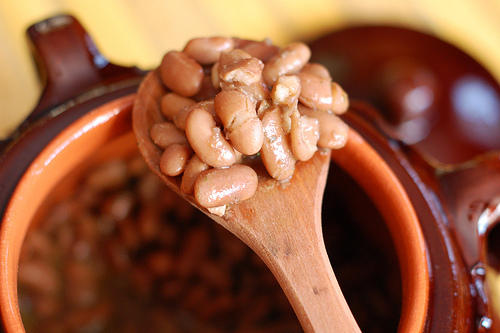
(281, 223)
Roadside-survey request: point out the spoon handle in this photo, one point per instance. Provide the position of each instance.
(282, 224)
(310, 284)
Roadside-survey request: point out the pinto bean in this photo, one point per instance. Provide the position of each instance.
(237, 112)
(286, 92)
(316, 91)
(227, 58)
(304, 136)
(246, 71)
(289, 60)
(175, 158)
(164, 134)
(171, 103)
(333, 132)
(180, 117)
(276, 152)
(316, 69)
(340, 103)
(207, 139)
(207, 51)
(263, 50)
(194, 167)
(218, 187)
(181, 74)
(214, 75)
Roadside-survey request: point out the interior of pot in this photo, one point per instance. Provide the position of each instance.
(371, 233)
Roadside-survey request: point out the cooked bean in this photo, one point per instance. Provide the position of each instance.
(304, 136)
(207, 51)
(207, 90)
(171, 103)
(160, 263)
(165, 134)
(233, 107)
(214, 75)
(181, 74)
(218, 187)
(258, 91)
(148, 222)
(316, 69)
(194, 167)
(207, 140)
(82, 288)
(245, 71)
(261, 50)
(237, 70)
(286, 92)
(40, 275)
(157, 255)
(237, 112)
(289, 60)
(340, 102)
(194, 249)
(227, 58)
(316, 91)
(175, 158)
(276, 152)
(180, 117)
(247, 138)
(108, 176)
(333, 132)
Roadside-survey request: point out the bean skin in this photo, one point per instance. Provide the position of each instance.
(207, 51)
(175, 158)
(333, 132)
(194, 167)
(237, 111)
(316, 69)
(181, 74)
(264, 50)
(286, 92)
(207, 140)
(218, 187)
(316, 91)
(289, 60)
(165, 134)
(246, 71)
(171, 103)
(304, 136)
(276, 152)
(181, 116)
(340, 102)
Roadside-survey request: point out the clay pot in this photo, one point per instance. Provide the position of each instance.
(411, 212)
(446, 158)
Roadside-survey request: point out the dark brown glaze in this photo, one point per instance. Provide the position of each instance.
(447, 158)
(77, 79)
(451, 303)
(452, 108)
(449, 200)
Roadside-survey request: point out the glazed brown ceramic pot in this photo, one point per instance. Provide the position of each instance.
(411, 209)
(446, 157)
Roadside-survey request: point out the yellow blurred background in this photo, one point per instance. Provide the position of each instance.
(138, 32)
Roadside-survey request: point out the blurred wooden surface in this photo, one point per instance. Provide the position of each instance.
(138, 32)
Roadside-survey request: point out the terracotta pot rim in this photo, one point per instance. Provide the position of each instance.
(80, 139)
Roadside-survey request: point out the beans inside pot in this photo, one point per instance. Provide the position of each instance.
(121, 253)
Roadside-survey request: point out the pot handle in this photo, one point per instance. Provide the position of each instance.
(471, 193)
(68, 62)
(71, 69)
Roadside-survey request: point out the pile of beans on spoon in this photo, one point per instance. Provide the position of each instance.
(230, 101)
